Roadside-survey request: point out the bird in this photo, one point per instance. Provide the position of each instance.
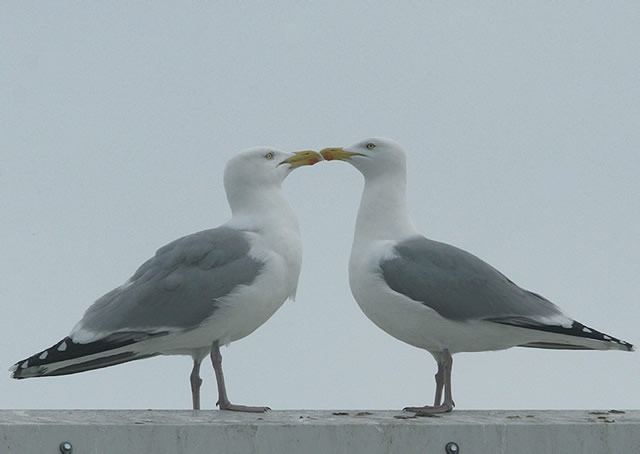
(201, 291)
(433, 295)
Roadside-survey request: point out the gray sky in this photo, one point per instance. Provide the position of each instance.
(522, 125)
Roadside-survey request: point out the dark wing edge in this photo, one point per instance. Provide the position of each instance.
(69, 357)
(576, 330)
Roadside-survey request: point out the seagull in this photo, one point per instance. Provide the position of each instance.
(436, 296)
(200, 291)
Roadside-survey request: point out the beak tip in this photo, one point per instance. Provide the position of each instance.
(302, 158)
(327, 155)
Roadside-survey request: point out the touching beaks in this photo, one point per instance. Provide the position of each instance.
(338, 153)
(302, 158)
(311, 157)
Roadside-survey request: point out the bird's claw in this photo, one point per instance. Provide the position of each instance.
(244, 408)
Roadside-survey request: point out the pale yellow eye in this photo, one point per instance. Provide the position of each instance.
(371, 146)
(269, 155)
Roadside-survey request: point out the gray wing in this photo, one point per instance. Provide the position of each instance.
(179, 286)
(460, 286)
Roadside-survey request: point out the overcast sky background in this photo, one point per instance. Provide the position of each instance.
(522, 125)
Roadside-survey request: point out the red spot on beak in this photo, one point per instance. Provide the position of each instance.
(328, 156)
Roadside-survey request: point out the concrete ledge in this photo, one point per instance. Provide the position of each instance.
(314, 432)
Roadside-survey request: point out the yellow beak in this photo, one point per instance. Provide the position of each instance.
(302, 158)
(338, 153)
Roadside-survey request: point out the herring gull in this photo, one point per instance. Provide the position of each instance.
(433, 295)
(198, 292)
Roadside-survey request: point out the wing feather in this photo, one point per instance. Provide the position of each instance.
(460, 286)
(177, 288)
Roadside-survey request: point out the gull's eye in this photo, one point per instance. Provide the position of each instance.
(371, 146)
(269, 155)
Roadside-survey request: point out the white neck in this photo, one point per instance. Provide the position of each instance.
(383, 213)
(275, 230)
(261, 209)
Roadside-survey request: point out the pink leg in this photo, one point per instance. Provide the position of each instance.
(439, 384)
(443, 381)
(223, 400)
(196, 381)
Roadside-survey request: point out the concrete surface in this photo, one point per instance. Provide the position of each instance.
(315, 432)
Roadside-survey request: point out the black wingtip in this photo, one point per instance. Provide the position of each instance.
(577, 330)
(41, 364)
(34, 366)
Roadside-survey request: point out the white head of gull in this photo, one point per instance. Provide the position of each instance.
(433, 295)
